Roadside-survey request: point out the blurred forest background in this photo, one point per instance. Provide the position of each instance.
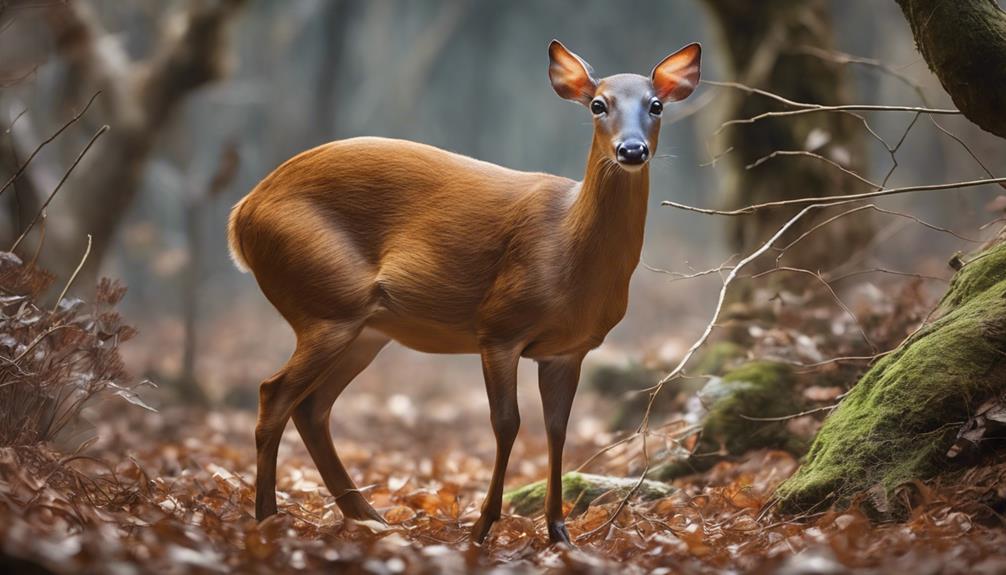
(465, 76)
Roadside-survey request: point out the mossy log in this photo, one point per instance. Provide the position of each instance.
(900, 419)
(581, 489)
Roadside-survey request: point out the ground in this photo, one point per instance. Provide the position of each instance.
(172, 492)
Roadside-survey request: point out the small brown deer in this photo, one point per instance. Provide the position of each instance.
(362, 241)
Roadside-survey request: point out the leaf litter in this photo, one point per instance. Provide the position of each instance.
(172, 491)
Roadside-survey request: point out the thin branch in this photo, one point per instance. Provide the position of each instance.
(48, 140)
(677, 276)
(837, 200)
(842, 108)
(824, 282)
(69, 283)
(101, 131)
(887, 271)
(878, 209)
(814, 155)
(791, 416)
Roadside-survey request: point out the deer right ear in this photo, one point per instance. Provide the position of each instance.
(572, 77)
(677, 75)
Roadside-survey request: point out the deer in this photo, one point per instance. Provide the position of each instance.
(366, 240)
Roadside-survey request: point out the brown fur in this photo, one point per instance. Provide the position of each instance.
(366, 240)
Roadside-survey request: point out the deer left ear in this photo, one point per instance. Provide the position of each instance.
(677, 75)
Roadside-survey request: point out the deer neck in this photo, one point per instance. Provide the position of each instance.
(607, 218)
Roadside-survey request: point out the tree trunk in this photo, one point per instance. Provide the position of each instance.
(338, 17)
(136, 101)
(768, 47)
(964, 43)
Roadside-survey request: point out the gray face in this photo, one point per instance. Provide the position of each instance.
(627, 117)
(626, 107)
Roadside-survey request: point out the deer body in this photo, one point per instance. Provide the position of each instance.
(367, 240)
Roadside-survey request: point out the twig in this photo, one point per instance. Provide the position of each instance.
(841, 108)
(837, 200)
(101, 131)
(824, 282)
(791, 416)
(66, 288)
(877, 209)
(70, 122)
(887, 271)
(817, 156)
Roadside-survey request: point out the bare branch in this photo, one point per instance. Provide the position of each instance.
(838, 200)
(842, 108)
(66, 175)
(47, 141)
(814, 155)
(73, 276)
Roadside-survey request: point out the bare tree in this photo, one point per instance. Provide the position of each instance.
(136, 98)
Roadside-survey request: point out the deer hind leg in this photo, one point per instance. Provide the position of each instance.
(281, 393)
(312, 416)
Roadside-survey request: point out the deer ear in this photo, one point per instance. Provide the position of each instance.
(677, 75)
(572, 78)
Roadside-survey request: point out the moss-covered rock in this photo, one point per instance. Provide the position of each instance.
(581, 489)
(760, 389)
(898, 422)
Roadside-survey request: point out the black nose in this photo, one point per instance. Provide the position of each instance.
(632, 152)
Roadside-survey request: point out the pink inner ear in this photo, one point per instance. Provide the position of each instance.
(569, 75)
(677, 76)
(573, 82)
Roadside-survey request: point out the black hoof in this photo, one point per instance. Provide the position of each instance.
(557, 533)
(481, 529)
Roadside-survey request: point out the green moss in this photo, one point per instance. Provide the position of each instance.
(582, 489)
(977, 276)
(899, 420)
(754, 390)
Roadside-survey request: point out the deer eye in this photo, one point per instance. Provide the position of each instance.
(598, 107)
(656, 107)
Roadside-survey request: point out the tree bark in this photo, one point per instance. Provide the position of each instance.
(768, 46)
(964, 43)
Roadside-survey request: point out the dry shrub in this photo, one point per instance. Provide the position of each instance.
(54, 361)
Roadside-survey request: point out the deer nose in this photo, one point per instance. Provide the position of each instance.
(632, 152)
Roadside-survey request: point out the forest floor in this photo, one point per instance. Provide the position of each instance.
(172, 492)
